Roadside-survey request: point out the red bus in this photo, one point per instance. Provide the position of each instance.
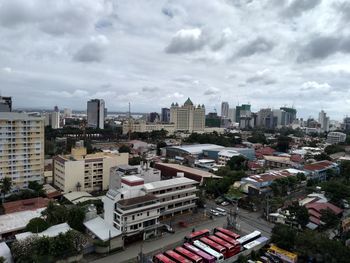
(231, 249)
(176, 257)
(189, 255)
(217, 247)
(197, 235)
(227, 232)
(228, 239)
(160, 258)
(205, 256)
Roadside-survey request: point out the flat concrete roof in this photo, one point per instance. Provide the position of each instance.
(102, 229)
(191, 170)
(170, 182)
(197, 148)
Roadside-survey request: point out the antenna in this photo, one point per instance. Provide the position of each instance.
(129, 123)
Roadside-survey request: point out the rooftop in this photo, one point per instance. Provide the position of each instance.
(12, 116)
(272, 175)
(101, 229)
(17, 221)
(229, 153)
(186, 169)
(79, 197)
(25, 205)
(279, 159)
(197, 148)
(170, 182)
(317, 166)
(132, 178)
(137, 200)
(52, 231)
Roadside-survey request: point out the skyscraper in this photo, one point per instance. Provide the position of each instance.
(5, 104)
(55, 118)
(21, 148)
(324, 121)
(96, 113)
(188, 117)
(224, 109)
(165, 115)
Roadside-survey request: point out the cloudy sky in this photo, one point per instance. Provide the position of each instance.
(268, 53)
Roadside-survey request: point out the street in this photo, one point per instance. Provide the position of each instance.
(246, 222)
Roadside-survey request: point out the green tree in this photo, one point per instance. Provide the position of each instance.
(283, 143)
(299, 214)
(283, 236)
(329, 218)
(237, 163)
(54, 213)
(36, 187)
(124, 149)
(160, 145)
(5, 186)
(75, 218)
(2, 260)
(37, 225)
(135, 160)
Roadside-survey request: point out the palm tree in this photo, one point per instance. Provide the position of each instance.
(5, 186)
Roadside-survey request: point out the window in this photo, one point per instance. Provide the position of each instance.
(147, 213)
(133, 217)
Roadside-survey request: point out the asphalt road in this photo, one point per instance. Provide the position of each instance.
(246, 222)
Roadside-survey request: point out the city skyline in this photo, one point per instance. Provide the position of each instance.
(177, 51)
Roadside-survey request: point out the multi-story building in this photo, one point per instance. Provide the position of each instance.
(165, 115)
(244, 116)
(232, 114)
(153, 117)
(80, 171)
(53, 119)
(96, 113)
(136, 208)
(21, 148)
(346, 123)
(291, 114)
(336, 137)
(324, 121)
(5, 104)
(188, 117)
(143, 126)
(67, 113)
(224, 109)
(265, 118)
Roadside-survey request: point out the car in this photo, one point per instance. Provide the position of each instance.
(168, 229)
(214, 212)
(220, 211)
(225, 203)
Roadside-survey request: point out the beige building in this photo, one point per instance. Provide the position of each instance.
(80, 171)
(188, 117)
(21, 148)
(143, 126)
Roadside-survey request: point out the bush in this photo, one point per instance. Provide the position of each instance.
(37, 225)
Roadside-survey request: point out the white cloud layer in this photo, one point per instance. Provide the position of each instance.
(154, 52)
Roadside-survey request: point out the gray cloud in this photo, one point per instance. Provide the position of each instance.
(261, 77)
(150, 89)
(320, 47)
(186, 40)
(259, 45)
(211, 91)
(92, 51)
(297, 7)
(344, 9)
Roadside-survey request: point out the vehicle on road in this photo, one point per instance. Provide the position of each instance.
(214, 212)
(225, 203)
(221, 211)
(168, 229)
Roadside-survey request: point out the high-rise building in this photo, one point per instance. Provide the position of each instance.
(21, 148)
(153, 117)
(67, 113)
(96, 113)
(243, 115)
(291, 114)
(188, 117)
(165, 115)
(324, 121)
(346, 123)
(232, 114)
(5, 104)
(224, 109)
(265, 118)
(53, 119)
(279, 118)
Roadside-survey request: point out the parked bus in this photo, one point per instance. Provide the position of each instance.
(217, 247)
(228, 239)
(282, 254)
(194, 258)
(227, 232)
(231, 250)
(160, 258)
(207, 258)
(218, 256)
(176, 257)
(197, 235)
(249, 238)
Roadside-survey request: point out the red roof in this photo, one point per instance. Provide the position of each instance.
(323, 206)
(254, 165)
(264, 151)
(315, 220)
(25, 205)
(270, 176)
(296, 158)
(321, 165)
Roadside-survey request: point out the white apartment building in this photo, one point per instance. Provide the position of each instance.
(80, 171)
(336, 137)
(136, 207)
(225, 155)
(143, 126)
(188, 117)
(21, 148)
(324, 121)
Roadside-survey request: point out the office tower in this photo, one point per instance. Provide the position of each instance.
(324, 121)
(279, 118)
(265, 118)
(291, 114)
(153, 117)
(232, 114)
(346, 123)
(67, 113)
(188, 117)
(55, 118)
(243, 116)
(5, 104)
(21, 148)
(165, 116)
(96, 113)
(224, 109)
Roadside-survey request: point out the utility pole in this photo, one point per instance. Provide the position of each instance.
(129, 121)
(267, 208)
